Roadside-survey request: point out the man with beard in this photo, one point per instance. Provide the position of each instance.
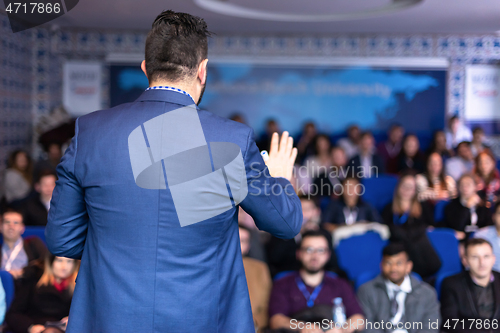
(303, 300)
(403, 303)
(148, 195)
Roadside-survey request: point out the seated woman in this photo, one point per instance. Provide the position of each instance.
(487, 177)
(410, 159)
(467, 213)
(408, 220)
(349, 208)
(433, 184)
(43, 297)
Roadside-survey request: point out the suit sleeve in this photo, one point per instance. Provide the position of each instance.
(369, 307)
(66, 229)
(271, 202)
(431, 313)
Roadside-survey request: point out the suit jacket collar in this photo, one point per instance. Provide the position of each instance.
(159, 95)
(496, 290)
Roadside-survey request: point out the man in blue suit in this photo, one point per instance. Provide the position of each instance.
(148, 195)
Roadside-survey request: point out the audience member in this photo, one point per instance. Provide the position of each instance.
(398, 298)
(307, 295)
(389, 150)
(492, 235)
(328, 184)
(467, 212)
(462, 163)
(433, 184)
(36, 206)
(439, 146)
(53, 157)
(264, 141)
(408, 220)
(42, 301)
(349, 209)
(238, 117)
(350, 144)
(281, 253)
(410, 158)
(488, 177)
(470, 300)
(367, 163)
(457, 132)
(17, 253)
(18, 176)
(305, 143)
(478, 141)
(319, 164)
(258, 281)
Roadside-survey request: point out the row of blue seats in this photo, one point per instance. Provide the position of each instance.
(360, 256)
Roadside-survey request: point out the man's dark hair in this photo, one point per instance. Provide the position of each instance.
(317, 233)
(175, 46)
(477, 129)
(393, 249)
(45, 173)
(475, 241)
(366, 133)
(11, 210)
(463, 143)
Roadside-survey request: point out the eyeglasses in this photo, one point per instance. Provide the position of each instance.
(311, 250)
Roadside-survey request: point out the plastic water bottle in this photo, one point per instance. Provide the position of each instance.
(338, 311)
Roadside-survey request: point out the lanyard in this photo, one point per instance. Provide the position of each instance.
(310, 298)
(13, 255)
(400, 220)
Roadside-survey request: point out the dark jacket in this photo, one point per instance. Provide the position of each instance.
(377, 161)
(457, 216)
(415, 164)
(34, 247)
(421, 305)
(457, 303)
(34, 305)
(334, 212)
(413, 233)
(34, 211)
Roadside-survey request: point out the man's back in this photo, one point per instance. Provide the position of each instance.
(141, 269)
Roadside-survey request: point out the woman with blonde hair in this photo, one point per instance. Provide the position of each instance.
(43, 299)
(408, 220)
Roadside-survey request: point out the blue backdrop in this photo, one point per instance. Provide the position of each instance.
(292, 94)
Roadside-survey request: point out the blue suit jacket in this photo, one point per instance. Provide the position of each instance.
(140, 270)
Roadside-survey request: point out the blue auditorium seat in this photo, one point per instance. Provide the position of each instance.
(379, 190)
(439, 211)
(35, 231)
(446, 245)
(8, 286)
(359, 254)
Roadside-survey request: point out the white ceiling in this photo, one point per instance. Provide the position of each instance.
(430, 16)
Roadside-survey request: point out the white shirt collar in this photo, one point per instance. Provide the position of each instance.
(405, 286)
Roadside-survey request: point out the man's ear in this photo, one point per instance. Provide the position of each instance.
(409, 266)
(143, 67)
(202, 71)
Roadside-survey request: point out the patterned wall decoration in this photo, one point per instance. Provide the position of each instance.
(16, 88)
(49, 50)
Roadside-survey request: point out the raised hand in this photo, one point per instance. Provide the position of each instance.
(282, 156)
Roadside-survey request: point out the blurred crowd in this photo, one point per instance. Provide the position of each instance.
(451, 185)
